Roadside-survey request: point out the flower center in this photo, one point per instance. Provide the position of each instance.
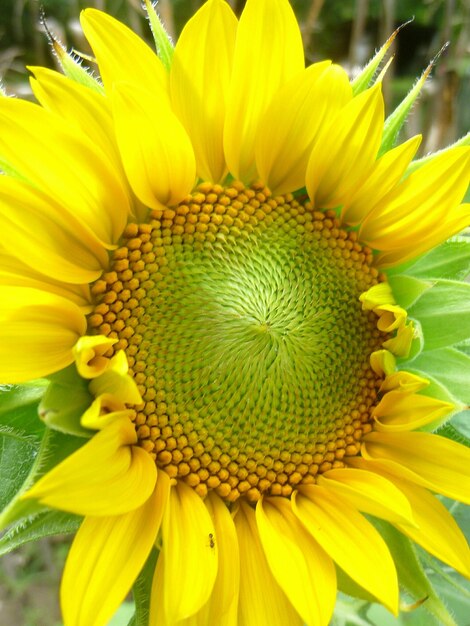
(240, 317)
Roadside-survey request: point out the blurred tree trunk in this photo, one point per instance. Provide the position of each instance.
(309, 25)
(358, 32)
(447, 81)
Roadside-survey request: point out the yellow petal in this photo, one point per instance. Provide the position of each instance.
(222, 606)
(38, 330)
(419, 204)
(292, 120)
(386, 173)
(429, 460)
(15, 273)
(107, 476)
(190, 563)
(370, 493)
(454, 221)
(399, 411)
(345, 152)
(121, 54)
(391, 316)
(350, 540)
(85, 109)
(156, 151)
(106, 557)
(48, 238)
(65, 165)
(268, 52)
(199, 82)
(262, 601)
(303, 570)
(436, 530)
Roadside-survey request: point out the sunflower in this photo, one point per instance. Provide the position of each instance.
(216, 251)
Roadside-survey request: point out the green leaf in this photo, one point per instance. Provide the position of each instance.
(53, 449)
(450, 260)
(444, 314)
(407, 289)
(18, 453)
(43, 525)
(450, 367)
(161, 37)
(411, 573)
(19, 406)
(142, 591)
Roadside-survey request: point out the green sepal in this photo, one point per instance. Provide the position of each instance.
(71, 64)
(437, 390)
(362, 81)
(407, 289)
(415, 165)
(53, 449)
(34, 528)
(444, 313)
(455, 430)
(162, 39)
(72, 67)
(417, 346)
(411, 573)
(395, 121)
(450, 367)
(65, 401)
(142, 591)
(449, 260)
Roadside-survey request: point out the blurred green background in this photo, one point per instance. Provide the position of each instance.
(347, 31)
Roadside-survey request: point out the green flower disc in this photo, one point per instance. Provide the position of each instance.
(240, 317)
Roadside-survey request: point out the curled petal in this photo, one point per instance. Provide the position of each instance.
(89, 355)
